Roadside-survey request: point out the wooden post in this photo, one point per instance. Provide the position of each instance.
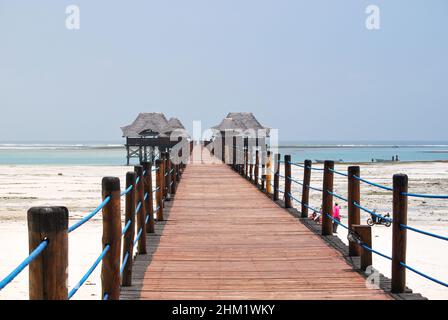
(149, 203)
(110, 269)
(223, 146)
(400, 217)
(353, 211)
(178, 172)
(256, 168)
(141, 216)
(269, 173)
(246, 157)
(167, 177)
(276, 176)
(234, 153)
(327, 199)
(263, 170)
(173, 178)
(365, 234)
(251, 163)
(159, 192)
(128, 237)
(246, 163)
(305, 188)
(48, 273)
(162, 170)
(288, 203)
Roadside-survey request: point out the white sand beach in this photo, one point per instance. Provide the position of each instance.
(79, 189)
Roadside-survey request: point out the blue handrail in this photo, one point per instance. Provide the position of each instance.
(89, 272)
(126, 227)
(424, 232)
(337, 196)
(90, 215)
(125, 261)
(424, 275)
(139, 206)
(297, 164)
(295, 181)
(338, 172)
(125, 192)
(138, 236)
(374, 251)
(428, 196)
(315, 169)
(337, 221)
(373, 213)
(33, 255)
(373, 183)
(314, 188)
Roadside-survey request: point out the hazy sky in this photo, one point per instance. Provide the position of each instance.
(309, 68)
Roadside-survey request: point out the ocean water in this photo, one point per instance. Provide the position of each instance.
(114, 153)
(366, 151)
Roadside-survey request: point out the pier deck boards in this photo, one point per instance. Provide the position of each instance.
(224, 239)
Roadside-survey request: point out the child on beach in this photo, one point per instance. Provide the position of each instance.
(336, 216)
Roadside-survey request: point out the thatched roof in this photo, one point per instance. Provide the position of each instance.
(175, 123)
(239, 121)
(152, 124)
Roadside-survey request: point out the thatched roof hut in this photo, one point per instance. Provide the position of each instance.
(147, 124)
(149, 131)
(240, 122)
(152, 124)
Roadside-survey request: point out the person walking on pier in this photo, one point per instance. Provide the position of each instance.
(336, 216)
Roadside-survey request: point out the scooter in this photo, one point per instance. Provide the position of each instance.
(373, 220)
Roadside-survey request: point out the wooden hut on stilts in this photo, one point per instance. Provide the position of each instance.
(149, 135)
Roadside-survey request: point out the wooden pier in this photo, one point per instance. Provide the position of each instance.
(224, 239)
(212, 230)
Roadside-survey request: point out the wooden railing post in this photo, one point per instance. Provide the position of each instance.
(149, 202)
(173, 178)
(110, 269)
(128, 238)
(365, 235)
(305, 188)
(159, 192)
(251, 164)
(163, 168)
(353, 211)
(223, 146)
(178, 172)
(256, 168)
(234, 165)
(167, 177)
(48, 274)
(246, 162)
(141, 216)
(400, 217)
(269, 173)
(327, 198)
(263, 170)
(276, 176)
(288, 203)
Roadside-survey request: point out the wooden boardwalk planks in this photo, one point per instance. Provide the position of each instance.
(224, 239)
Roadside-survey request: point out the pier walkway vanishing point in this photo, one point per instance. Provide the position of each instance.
(224, 239)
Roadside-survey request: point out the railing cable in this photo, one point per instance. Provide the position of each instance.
(90, 215)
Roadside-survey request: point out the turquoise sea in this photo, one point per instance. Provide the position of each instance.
(114, 153)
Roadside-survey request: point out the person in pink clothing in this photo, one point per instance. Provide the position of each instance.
(336, 216)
